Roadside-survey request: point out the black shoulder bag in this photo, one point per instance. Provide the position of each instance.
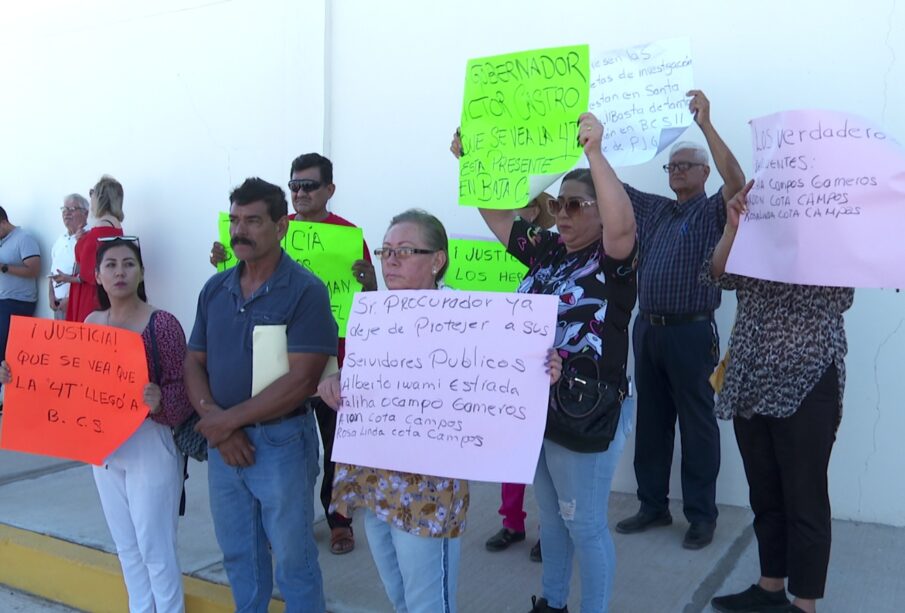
(584, 411)
(189, 442)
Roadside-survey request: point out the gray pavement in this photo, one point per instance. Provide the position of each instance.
(12, 601)
(654, 573)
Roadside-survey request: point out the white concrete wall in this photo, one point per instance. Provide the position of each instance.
(181, 100)
(398, 76)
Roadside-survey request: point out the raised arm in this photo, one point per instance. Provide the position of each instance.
(615, 208)
(725, 162)
(498, 220)
(735, 208)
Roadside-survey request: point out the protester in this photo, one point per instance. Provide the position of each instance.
(311, 186)
(512, 495)
(413, 529)
(107, 210)
(262, 456)
(675, 336)
(20, 266)
(140, 484)
(62, 254)
(783, 390)
(592, 270)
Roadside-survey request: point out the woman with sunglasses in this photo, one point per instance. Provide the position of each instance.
(107, 211)
(590, 265)
(140, 484)
(413, 522)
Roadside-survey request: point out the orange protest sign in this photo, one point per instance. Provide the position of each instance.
(76, 389)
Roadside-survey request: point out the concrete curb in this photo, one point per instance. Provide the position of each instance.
(85, 578)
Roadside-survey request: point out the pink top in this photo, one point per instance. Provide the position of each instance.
(175, 407)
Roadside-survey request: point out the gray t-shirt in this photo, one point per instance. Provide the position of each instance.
(15, 248)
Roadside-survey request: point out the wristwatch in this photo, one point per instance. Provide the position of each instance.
(4, 269)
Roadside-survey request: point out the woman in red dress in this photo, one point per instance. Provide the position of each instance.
(107, 211)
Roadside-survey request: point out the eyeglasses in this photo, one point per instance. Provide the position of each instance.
(680, 166)
(570, 205)
(385, 253)
(306, 185)
(126, 239)
(73, 209)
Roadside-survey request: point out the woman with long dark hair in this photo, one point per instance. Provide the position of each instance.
(140, 484)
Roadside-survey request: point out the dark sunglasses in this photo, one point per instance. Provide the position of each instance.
(570, 205)
(306, 185)
(113, 239)
(680, 166)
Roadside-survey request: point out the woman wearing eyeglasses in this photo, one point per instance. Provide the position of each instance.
(140, 484)
(590, 265)
(413, 522)
(107, 211)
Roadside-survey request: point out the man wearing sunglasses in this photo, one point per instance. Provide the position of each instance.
(311, 187)
(675, 337)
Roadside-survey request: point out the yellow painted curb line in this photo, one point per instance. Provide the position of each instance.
(88, 579)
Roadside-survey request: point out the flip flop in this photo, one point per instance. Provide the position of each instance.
(341, 540)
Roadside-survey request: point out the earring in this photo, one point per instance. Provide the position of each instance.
(433, 271)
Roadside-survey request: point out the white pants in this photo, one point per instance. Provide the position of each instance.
(140, 488)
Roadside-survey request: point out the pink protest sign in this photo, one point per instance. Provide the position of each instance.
(451, 384)
(828, 203)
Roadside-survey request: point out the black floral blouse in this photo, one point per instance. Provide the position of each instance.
(784, 339)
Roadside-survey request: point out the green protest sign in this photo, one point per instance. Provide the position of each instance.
(482, 265)
(327, 250)
(519, 124)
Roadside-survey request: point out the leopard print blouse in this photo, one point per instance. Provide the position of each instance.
(784, 339)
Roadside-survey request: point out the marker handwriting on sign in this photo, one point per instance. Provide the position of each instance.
(461, 371)
(519, 120)
(76, 389)
(638, 93)
(826, 204)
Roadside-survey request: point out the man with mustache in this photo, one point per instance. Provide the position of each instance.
(262, 456)
(311, 185)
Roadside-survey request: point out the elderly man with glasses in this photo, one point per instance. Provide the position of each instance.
(675, 338)
(62, 254)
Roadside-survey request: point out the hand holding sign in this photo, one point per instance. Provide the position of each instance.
(76, 391)
(737, 206)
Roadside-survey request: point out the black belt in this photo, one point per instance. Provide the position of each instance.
(282, 418)
(673, 320)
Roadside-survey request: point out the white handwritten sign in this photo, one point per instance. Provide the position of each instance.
(638, 93)
(445, 383)
(828, 203)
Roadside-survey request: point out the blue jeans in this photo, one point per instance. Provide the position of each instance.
(270, 502)
(8, 308)
(572, 491)
(419, 573)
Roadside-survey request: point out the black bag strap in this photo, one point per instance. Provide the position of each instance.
(155, 360)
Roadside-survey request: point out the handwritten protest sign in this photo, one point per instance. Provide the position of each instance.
(327, 250)
(450, 384)
(482, 265)
(519, 124)
(638, 93)
(828, 203)
(76, 389)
